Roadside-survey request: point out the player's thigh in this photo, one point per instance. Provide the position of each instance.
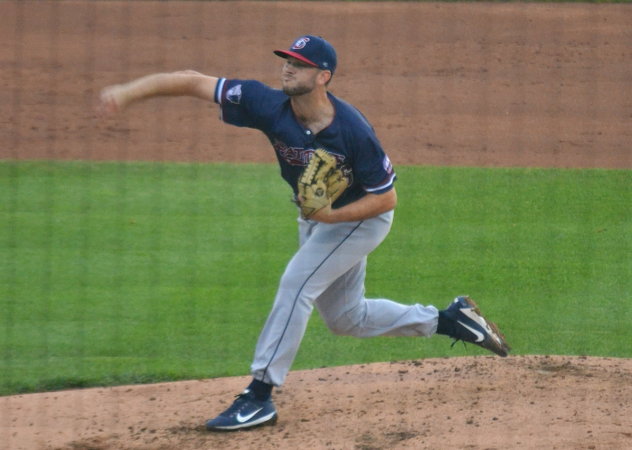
(342, 305)
(331, 251)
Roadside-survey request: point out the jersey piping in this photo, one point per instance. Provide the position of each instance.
(219, 95)
(382, 186)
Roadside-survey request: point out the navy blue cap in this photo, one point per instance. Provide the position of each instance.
(312, 50)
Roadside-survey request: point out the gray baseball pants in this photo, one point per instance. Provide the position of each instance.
(328, 271)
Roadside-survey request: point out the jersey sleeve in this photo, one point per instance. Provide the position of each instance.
(373, 168)
(244, 103)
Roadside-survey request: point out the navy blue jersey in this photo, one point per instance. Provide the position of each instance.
(349, 138)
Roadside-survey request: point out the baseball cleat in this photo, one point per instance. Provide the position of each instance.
(245, 412)
(471, 326)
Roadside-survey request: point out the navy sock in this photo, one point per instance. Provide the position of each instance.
(446, 325)
(262, 391)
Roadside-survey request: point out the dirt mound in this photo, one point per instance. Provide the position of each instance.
(476, 403)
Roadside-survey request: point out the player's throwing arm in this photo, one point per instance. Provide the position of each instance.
(185, 83)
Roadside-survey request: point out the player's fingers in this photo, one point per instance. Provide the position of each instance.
(107, 104)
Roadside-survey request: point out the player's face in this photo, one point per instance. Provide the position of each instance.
(299, 78)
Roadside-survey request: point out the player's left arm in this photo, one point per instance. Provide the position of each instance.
(371, 205)
(374, 172)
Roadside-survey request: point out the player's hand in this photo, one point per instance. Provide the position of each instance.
(323, 215)
(110, 101)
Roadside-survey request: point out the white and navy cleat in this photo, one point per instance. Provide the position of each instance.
(245, 412)
(471, 326)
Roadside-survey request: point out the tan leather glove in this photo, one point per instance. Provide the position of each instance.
(320, 184)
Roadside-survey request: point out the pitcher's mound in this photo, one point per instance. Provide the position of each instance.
(530, 402)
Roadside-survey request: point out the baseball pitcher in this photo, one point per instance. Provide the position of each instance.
(344, 189)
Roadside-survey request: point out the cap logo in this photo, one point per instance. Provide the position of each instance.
(302, 42)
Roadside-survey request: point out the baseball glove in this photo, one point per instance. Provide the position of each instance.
(320, 184)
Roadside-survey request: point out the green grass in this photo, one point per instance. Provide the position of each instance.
(114, 273)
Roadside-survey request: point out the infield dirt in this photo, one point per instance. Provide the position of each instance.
(478, 84)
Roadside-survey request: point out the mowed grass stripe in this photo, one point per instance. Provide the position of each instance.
(116, 273)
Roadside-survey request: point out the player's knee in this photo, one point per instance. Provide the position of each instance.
(290, 282)
(340, 329)
(349, 324)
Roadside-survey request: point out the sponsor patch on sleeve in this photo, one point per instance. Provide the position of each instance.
(387, 164)
(233, 95)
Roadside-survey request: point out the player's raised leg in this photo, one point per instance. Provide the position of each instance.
(346, 311)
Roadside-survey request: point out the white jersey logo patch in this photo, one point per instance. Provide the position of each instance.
(234, 94)
(387, 164)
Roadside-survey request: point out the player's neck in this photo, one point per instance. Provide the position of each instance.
(314, 110)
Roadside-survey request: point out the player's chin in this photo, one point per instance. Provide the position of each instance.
(296, 90)
(289, 87)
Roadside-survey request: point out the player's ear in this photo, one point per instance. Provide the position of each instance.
(324, 77)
